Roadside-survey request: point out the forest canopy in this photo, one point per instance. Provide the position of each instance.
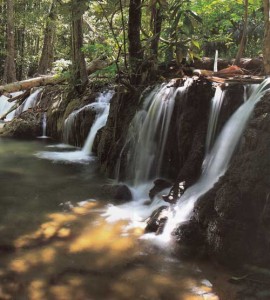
(51, 35)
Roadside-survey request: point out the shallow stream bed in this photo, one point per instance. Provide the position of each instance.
(55, 244)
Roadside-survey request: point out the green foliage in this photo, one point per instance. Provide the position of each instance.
(93, 51)
(190, 28)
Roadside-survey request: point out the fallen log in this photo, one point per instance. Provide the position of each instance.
(95, 65)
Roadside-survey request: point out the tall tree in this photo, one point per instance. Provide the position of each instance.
(157, 24)
(134, 27)
(266, 48)
(78, 60)
(244, 35)
(10, 69)
(47, 55)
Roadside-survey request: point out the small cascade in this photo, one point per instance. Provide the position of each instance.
(44, 126)
(217, 161)
(101, 107)
(70, 121)
(5, 105)
(101, 119)
(148, 132)
(30, 102)
(216, 105)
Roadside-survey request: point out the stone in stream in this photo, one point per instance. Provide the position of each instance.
(119, 192)
(159, 185)
(156, 222)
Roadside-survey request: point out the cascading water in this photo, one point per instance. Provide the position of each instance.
(30, 102)
(148, 132)
(216, 105)
(5, 105)
(101, 107)
(216, 162)
(44, 126)
(146, 139)
(71, 120)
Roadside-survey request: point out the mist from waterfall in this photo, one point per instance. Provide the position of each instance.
(216, 162)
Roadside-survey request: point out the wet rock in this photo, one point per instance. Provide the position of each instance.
(157, 221)
(234, 216)
(190, 239)
(122, 109)
(159, 185)
(27, 126)
(119, 192)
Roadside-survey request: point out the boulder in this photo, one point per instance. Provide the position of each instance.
(118, 192)
(27, 126)
(159, 185)
(157, 220)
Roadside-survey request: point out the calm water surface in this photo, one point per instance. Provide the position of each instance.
(53, 246)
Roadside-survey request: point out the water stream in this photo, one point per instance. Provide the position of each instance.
(216, 162)
(54, 244)
(216, 105)
(149, 130)
(101, 107)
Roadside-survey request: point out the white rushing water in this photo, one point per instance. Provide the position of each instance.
(148, 132)
(70, 121)
(101, 107)
(217, 161)
(216, 105)
(5, 105)
(146, 139)
(44, 127)
(29, 102)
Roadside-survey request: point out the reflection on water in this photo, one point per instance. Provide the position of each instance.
(68, 251)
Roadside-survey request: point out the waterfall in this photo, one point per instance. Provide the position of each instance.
(216, 162)
(101, 107)
(216, 105)
(148, 131)
(44, 126)
(5, 105)
(101, 119)
(70, 121)
(29, 102)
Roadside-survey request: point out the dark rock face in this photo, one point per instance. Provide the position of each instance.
(233, 218)
(187, 133)
(122, 109)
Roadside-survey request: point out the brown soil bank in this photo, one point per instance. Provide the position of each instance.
(231, 222)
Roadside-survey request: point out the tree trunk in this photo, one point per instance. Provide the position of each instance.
(78, 61)
(243, 38)
(135, 47)
(46, 59)
(266, 48)
(10, 69)
(157, 30)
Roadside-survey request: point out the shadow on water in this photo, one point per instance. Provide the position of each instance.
(52, 248)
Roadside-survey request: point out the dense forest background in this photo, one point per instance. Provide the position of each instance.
(40, 37)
